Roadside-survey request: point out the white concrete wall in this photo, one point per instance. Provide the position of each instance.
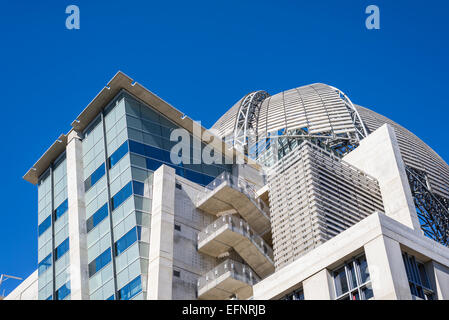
(27, 290)
(387, 270)
(79, 277)
(319, 286)
(439, 278)
(379, 156)
(160, 268)
(382, 239)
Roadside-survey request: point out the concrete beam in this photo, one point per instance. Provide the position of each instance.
(79, 277)
(160, 267)
(387, 271)
(319, 286)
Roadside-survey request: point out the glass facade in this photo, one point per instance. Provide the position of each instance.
(53, 242)
(121, 148)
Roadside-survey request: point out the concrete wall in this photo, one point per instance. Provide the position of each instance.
(382, 239)
(27, 290)
(379, 156)
(387, 271)
(319, 286)
(186, 259)
(160, 268)
(79, 276)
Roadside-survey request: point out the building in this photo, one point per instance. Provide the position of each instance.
(308, 196)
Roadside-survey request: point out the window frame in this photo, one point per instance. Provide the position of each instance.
(415, 282)
(359, 285)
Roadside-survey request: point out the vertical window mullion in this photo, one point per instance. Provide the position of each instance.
(111, 227)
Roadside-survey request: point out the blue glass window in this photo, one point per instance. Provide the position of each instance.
(110, 298)
(118, 154)
(94, 177)
(101, 261)
(194, 176)
(122, 195)
(63, 292)
(61, 209)
(156, 157)
(208, 179)
(50, 298)
(152, 164)
(127, 240)
(44, 225)
(62, 249)
(44, 264)
(130, 290)
(97, 217)
(136, 147)
(138, 188)
(149, 151)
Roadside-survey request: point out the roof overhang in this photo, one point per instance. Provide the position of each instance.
(122, 82)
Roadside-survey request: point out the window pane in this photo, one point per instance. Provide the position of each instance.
(101, 261)
(352, 276)
(97, 217)
(131, 289)
(367, 293)
(44, 225)
(63, 292)
(127, 240)
(62, 249)
(364, 272)
(44, 264)
(355, 295)
(341, 283)
(118, 154)
(423, 275)
(122, 195)
(61, 209)
(94, 177)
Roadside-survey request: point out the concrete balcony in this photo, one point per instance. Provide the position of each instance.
(232, 232)
(226, 194)
(229, 279)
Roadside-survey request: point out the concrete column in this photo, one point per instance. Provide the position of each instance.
(439, 279)
(319, 286)
(79, 278)
(387, 270)
(379, 156)
(160, 268)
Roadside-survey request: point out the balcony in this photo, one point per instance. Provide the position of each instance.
(232, 232)
(228, 279)
(226, 193)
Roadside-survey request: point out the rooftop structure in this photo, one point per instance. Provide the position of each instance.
(331, 201)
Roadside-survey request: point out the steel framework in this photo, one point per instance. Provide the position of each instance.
(247, 139)
(432, 209)
(360, 127)
(247, 118)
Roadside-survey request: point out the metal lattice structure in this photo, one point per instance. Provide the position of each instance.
(247, 115)
(262, 125)
(432, 209)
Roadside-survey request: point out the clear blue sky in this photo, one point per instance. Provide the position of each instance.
(203, 56)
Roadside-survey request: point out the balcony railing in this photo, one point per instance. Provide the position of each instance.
(237, 225)
(239, 184)
(239, 271)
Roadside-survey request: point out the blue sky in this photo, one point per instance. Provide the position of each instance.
(203, 56)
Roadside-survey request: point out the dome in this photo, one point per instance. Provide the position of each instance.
(266, 127)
